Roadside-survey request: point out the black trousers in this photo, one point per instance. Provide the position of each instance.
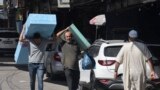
(72, 77)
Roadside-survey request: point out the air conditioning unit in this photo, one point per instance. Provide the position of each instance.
(63, 3)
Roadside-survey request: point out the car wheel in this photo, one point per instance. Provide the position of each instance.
(81, 87)
(52, 75)
(48, 74)
(150, 86)
(92, 81)
(1, 54)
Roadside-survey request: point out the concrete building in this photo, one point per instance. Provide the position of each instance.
(121, 16)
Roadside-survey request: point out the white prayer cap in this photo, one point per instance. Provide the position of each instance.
(133, 34)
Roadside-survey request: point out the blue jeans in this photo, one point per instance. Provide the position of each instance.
(39, 69)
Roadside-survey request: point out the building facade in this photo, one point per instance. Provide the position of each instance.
(121, 16)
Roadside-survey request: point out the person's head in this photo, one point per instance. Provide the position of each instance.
(37, 37)
(133, 35)
(68, 36)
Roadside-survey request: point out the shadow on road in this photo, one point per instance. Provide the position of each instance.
(22, 67)
(58, 80)
(8, 60)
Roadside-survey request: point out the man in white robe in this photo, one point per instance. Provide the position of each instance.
(134, 56)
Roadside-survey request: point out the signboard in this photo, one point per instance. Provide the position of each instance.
(63, 3)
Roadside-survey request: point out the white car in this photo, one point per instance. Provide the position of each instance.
(104, 53)
(53, 63)
(8, 41)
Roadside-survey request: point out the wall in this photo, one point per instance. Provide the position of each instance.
(145, 18)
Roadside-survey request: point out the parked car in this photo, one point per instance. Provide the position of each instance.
(53, 63)
(118, 84)
(8, 41)
(105, 53)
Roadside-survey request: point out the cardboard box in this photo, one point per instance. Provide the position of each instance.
(82, 41)
(42, 23)
(22, 53)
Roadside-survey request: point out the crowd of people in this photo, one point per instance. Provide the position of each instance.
(133, 55)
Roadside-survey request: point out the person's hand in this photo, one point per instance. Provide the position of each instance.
(115, 75)
(25, 43)
(67, 28)
(152, 75)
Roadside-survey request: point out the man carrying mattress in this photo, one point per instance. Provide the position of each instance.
(37, 46)
(70, 52)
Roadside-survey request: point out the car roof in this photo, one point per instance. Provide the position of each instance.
(153, 44)
(99, 42)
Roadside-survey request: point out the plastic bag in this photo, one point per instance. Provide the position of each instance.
(88, 61)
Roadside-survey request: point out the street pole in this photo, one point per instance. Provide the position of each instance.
(96, 32)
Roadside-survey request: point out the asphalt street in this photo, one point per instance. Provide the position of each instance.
(16, 77)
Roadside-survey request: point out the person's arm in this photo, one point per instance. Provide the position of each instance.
(61, 32)
(116, 69)
(152, 74)
(22, 37)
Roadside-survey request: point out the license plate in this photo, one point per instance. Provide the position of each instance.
(7, 42)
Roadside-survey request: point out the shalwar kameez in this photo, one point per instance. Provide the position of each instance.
(134, 56)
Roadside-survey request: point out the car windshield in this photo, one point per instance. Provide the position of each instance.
(94, 50)
(9, 35)
(112, 51)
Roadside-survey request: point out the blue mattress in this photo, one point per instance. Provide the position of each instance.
(21, 53)
(82, 41)
(42, 23)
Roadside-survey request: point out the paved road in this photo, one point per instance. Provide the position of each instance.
(13, 77)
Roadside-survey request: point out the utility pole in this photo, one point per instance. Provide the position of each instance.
(8, 4)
